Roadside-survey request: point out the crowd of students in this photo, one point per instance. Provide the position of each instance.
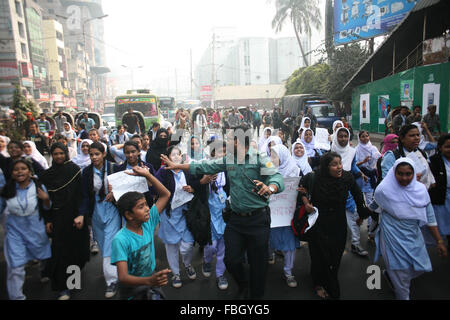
(61, 211)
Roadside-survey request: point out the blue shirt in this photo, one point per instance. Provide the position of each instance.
(138, 251)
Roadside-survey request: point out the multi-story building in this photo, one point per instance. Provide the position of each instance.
(250, 61)
(56, 59)
(15, 61)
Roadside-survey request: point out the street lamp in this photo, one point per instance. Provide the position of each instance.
(132, 74)
(85, 49)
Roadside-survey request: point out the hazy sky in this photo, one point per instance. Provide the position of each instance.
(159, 34)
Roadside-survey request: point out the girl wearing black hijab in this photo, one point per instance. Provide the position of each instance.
(328, 188)
(158, 147)
(66, 227)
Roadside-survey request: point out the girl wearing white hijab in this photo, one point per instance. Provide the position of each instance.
(267, 133)
(313, 154)
(103, 132)
(70, 135)
(29, 148)
(300, 157)
(283, 238)
(405, 206)
(336, 125)
(299, 130)
(272, 141)
(3, 143)
(341, 145)
(83, 160)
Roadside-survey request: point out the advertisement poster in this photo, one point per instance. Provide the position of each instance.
(364, 108)
(407, 92)
(355, 20)
(383, 102)
(431, 95)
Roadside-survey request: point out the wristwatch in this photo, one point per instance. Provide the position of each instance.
(272, 190)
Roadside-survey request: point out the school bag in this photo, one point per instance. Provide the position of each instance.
(198, 221)
(300, 221)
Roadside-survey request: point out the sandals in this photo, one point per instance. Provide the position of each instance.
(322, 293)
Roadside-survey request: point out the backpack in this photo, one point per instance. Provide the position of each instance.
(198, 221)
(299, 222)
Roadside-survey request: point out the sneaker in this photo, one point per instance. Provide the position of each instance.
(359, 251)
(271, 259)
(191, 272)
(94, 248)
(64, 295)
(176, 281)
(290, 280)
(45, 279)
(222, 283)
(206, 269)
(111, 290)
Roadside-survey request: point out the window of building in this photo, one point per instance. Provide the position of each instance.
(21, 30)
(18, 8)
(60, 52)
(24, 50)
(59, 36)
(51, 11)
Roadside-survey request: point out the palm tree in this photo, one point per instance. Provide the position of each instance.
(302, 13)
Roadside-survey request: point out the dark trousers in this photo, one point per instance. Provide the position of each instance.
(256, 126)
(251, 235)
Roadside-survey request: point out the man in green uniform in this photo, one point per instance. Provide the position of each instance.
(248, 227)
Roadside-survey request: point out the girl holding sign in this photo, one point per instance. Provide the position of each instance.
(98, 204)
(283, 238)
(173, 230)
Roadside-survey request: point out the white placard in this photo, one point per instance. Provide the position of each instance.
(282, 205)
(364, 108)
(180, 197)
(122, 183)
(322, 141)
(431, 95)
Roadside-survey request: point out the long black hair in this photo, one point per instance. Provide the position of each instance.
(442, 141)
(100, 147)
(59, 145)
(9, 191)
(402, 134)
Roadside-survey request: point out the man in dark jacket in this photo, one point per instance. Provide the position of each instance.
(40, 140)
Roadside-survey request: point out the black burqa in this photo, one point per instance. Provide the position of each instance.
(70, 246)
(157, 148)
(327, 238)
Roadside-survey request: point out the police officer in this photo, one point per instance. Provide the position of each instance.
(248, 226)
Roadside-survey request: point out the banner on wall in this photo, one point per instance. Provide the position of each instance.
(364, 107)
(431, 96)
(406, 91)
(383, 102)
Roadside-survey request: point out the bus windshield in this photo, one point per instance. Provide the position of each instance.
(145, 105)
(322, 110)
(167, 102)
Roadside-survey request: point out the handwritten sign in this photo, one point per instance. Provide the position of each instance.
(321, 141)
(180, 197)
(282, 205)
(122, 183)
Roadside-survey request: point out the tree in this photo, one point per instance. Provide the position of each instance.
(302, 13)
(21, 106)
(312, 79)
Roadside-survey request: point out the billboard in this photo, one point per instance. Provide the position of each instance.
(356, 20)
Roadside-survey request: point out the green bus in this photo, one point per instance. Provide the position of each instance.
(143, 103)
(168, 108)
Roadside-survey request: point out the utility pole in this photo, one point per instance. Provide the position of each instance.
(192, 80)
(213, 81)
(176, 84)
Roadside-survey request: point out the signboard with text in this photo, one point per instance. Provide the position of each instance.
(356, 20)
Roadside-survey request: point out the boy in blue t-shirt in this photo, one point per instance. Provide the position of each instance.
(133, 248)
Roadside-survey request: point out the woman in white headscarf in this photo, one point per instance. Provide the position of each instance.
(314, 154)
(272, 141)
(283, 238)
(103, 132)
(405, 207)
(298, 132)
(267, 133)
(336, 125)
(3, 143)
(83, 160)
(30, 150)
(300, 157)
(70, 135)
(341, 145)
